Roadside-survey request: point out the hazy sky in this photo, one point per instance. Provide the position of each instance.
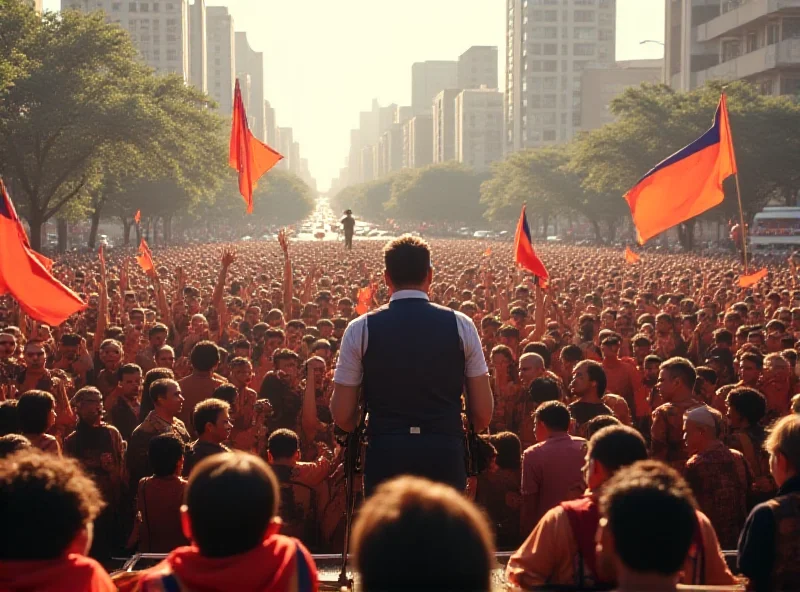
(325, 61)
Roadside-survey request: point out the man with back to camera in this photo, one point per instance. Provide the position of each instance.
(349, 227)
(412, 359)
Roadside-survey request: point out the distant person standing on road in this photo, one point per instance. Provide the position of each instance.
(349, 226)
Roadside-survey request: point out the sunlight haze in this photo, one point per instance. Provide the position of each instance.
(325, 61)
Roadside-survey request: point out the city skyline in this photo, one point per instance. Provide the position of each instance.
(321, 73)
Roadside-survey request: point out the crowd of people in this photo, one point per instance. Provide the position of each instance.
(644, 420)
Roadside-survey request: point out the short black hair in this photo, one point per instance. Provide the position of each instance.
(617, 446)
(572, 353)
(652, 359)
(537, 347)
(599, 422)
(554, 415)
(33, 411)
(45, 501)
(509, 450)
(206, 412)
(156, 329)
(408, 260)
(754, 357)
(682, 369)
(9, 417)
(11, 443)
(456, 552)
(749, 403)
(648, 502)
(232, 497)
(70, 340)
(164, 452)
(544, 389)
(284, 354)
(282, 444)
(226, 392)
(597, 375)
(204, 356)
(160, 388)
(707, 374)
(128, 369)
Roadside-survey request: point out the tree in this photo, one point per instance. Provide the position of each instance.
(81, 93)
(282, 198)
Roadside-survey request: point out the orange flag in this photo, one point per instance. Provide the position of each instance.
(138, 217)
(488, 252)
(250, 157)
(364, 299)
(745, 281)
(630, 256)
(145, 257)
(524, 255)
(687, 183)
(25, 274)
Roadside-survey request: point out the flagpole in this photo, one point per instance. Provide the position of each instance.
(743, 228)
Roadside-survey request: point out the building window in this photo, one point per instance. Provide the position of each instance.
(172, 55)
(550, 49)
(116, 6)
(583, 49)
(606, 35)
(156, 7)
(131, 6)
(170, 7)
(551, 16)
(144, 7)
(549, 135)
(584, 16)
(585, 33)
(584, 2)
(549, 101)
(772, 33)
(551, 66)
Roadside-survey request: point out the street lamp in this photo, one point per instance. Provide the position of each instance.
(663, 60)
(661, 43)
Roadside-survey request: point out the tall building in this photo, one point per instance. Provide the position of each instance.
(221, 57)
(390, 150)
(159, 30)
(269, 122)
(198, 51)
(548, 45)
(444, 126)
(354, 158)
(477, 67)
(402, 114)
(367, 157)
(602, 84)
(753, 40)
(428, 79)
(284, 145)
(479, 127)
(294, 159)
(250, 65)
(418, 141)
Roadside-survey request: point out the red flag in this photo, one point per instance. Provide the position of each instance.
(138, 217)
(524, 255)
(687, 183)
(250, 157)
(630, 256)
(745, 281)
(145, 257)
(364, 299)
(25, 275)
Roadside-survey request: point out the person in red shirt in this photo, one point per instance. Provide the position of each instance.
(47, 507)
(230, 514)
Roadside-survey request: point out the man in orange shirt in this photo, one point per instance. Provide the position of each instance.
(200, 384)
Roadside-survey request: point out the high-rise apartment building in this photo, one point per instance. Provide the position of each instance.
(250, 66)
(548, 45)
(221, 57)
(602, 84)
(270, 123)
(428, 79)
(477, 67)
(198, 51)
(479, 127)
(418, 141)
(444, 126)
(158, 29)
(284, 144)
(753, 40)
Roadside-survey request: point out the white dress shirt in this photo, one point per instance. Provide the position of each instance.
(350, 371)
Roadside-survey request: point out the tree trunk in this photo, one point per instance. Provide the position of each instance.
(686, 235)
(596, 226)
(126, 230)
(93, 229)
(167, 229)
(138, 229)
(612, 230)
(62, 230)
(36, 221)
(545, 224)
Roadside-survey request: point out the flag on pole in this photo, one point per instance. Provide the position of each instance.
(746, 281)
(631, 257)
(250, 157)
(365, 295)
(145, 257)
(101, 255)
(25, 274)
(687, 183)
(488, 252)
(524, 255)
(138, 217)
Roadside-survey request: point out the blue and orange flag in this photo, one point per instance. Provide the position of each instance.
(26, 275)
(524, 255)
(248, 155)
(687, 183)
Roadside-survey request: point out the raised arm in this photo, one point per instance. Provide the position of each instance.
(288, 288)
(102, 308)
(309, 421)
(228, 257)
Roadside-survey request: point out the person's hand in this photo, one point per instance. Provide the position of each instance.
(283, 241)
(228, 257)
(315, 363)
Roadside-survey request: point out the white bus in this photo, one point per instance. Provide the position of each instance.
(776, 228)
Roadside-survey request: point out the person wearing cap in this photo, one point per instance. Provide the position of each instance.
(349, 226)
(99, 447)
(720, 477)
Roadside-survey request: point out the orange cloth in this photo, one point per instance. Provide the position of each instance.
(746, 281)
(145, 257)
(250, 157)
(73, 573)
(524, 255)
(687, 183)
(630, 256)
(25, 274)
(138, 217)
(364, 299)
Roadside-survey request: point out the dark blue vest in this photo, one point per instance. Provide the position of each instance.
(413, 369)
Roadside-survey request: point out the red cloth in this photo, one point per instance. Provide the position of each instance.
(250, 157)
(145, 257)
(25, 274)
(584, 516)
(524, 255)
(74, 573)
(280, 564)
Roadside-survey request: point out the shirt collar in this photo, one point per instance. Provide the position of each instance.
(791, 485)
(405, 294)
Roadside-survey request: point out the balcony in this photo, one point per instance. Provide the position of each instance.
(785, 53)
(742, 13)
